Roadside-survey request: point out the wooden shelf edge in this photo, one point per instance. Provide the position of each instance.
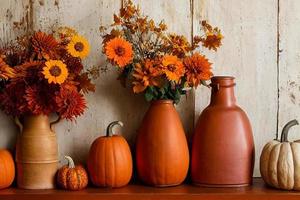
(139, 192)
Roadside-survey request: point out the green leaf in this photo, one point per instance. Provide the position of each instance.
(148, 96)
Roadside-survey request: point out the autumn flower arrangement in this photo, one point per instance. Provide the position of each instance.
(162, 65)
(43, 73)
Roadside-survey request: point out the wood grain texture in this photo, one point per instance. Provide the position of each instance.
(249, 53)
(289, 65)
(15, 20)
(111, 101)
(139, 192)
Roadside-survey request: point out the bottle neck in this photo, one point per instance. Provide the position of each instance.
(223, 96)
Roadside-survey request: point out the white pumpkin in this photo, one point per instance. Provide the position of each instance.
(280, 161)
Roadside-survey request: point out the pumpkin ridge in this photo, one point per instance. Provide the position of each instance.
(104, 164)
(114, 161)
(277, 174)
(4, 181)
(95, 172)
(294, 163)
(270, 174)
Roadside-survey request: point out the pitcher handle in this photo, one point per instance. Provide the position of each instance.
(54, 122)
(18, 123)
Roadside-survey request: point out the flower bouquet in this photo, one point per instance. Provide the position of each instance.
(42, 74)
(163, 66)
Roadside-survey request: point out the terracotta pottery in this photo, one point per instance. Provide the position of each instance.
(223, 147)
(162, 154)
(36, 153)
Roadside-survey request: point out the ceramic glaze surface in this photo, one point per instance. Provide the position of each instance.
(162, 153)
(223, 147)
(36, 154)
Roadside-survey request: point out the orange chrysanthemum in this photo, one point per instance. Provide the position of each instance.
(44, 45)
(6, 72)
(145, 75)
(197, 68)
(119, 51)
(172, 67)
(70, 103)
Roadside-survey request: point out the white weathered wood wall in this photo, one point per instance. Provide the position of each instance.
(261, 49)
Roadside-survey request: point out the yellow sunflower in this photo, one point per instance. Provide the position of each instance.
(55, 71)
(78, 47)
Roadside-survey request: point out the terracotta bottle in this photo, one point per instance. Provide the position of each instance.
(36, 153)
(162, 154)
(223, 147)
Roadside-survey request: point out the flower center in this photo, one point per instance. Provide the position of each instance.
(196, 71)
(78, 46)
(171, 67)
(120, 51)
(55, 71)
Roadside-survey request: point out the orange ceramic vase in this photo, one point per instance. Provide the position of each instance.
(36, 153)
(223, 147)
(162, 154)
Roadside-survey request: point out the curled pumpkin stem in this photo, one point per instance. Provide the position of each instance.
(70, 162)
(109, 131)
(286, 128)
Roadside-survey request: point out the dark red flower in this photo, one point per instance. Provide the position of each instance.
(74, 64)
(40, 100)
(12, 99)
(85, 84)
(44, 45)
(70, 104)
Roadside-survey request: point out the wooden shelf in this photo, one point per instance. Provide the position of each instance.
(139, 192)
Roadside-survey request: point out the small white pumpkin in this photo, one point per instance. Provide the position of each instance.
(280, 161)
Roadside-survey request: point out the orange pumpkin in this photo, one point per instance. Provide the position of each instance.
(7, 169)
(72, 177)
(110, 162)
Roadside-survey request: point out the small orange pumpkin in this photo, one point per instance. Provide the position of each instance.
(72, 177)
(7, 169)
(110, 161)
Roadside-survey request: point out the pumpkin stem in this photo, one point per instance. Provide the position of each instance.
(70, 162)
(109, 131)
(285, 130)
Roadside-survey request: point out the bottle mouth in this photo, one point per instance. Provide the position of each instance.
(162, 101)
(223, 81)
(222, 78)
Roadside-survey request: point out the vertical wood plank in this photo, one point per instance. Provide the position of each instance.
(15, 20)
(249, 53)
(111, 101)
(289, 65)
(177, 15)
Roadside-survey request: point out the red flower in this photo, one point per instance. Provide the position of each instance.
(40, 100)
(70, 103)
(12, 99)
(73, 63)
(44, 45)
